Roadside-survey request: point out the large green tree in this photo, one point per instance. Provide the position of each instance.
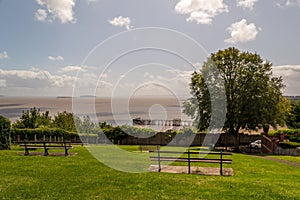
(4, 132)
(253, 94)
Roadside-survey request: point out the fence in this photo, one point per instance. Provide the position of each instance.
(166, 139)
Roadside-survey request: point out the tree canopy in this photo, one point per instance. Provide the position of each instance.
(253, 94)
(33, 118)
(293, 119)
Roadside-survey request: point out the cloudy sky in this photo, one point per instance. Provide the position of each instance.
(55, 47)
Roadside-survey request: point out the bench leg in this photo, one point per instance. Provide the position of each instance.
(66, 152)
(46, 152)
(26, 152)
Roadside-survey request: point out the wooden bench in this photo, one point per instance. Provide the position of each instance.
(159, 158)
(29, 145)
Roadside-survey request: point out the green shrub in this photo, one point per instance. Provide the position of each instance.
(289, 145)
(138, 132)
(4, 132)
(29, 134)
(294, 139)
(289, 132)
(89, 138)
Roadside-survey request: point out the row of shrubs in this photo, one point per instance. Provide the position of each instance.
(113, 133)
(292, 134)
(289, 145)
(289, 132)
(294, 139)
(39, 133)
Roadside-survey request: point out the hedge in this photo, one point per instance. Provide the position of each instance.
(289, 132)
(289, 145)
(294, 139)
(89, 138)
(29, 134)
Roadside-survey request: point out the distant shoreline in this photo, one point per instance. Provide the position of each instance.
(12, 107)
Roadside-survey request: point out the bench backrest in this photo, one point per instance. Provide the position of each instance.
(221, 160)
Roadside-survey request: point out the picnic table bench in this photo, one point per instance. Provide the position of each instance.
(221, 160)
(33, 145)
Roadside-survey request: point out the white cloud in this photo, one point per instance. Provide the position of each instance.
(181, 75)
(3, 55)
(246, 4)
(56, 9)
(41, 82)
(290, 75)
(201, 11)
(242, 32)
(287, 3)
(91, 1)
(41, 15)
(292, 3)
(121, 21)
(70, 69)
(34, 79)
(57, 58)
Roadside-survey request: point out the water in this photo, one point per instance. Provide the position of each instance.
(113, 111)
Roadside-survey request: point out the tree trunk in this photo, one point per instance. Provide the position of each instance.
(266, 128)
(237, 139)
(236, 142)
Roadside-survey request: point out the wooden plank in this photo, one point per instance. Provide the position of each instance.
(208, 160)
(192, 152)
(49, 147)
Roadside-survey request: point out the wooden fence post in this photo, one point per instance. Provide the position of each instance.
(158, 154)
(221, 163)
(189, 161)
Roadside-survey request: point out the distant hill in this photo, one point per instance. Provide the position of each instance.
(293, 98)
(63, 97)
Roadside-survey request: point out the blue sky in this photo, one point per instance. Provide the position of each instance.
(43, 43)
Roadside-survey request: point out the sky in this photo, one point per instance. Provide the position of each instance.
(106, 47)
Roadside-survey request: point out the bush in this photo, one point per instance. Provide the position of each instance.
(138, 132)
(294, 139)
(289, 132)
(29, 134)
(89, 138)
(4, 132)
(289, 145)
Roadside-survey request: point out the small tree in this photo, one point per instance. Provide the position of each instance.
(4, 132)
(33, 119)
(64, 120)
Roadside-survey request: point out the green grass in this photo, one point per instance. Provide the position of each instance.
(84, 177)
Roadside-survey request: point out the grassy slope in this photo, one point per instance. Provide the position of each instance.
(83, 177)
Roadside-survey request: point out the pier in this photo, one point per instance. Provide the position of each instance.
(167, 123)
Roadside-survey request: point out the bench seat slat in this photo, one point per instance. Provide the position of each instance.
(191, 152)
(46, 146)
(207, 160)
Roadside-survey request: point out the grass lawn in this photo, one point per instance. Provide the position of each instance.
(84, 177)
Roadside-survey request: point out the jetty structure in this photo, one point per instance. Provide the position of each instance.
(174, 124)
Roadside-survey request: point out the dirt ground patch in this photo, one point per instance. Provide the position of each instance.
(214, 171)
(296, 164)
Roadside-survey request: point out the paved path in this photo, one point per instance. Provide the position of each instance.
(296, 164)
